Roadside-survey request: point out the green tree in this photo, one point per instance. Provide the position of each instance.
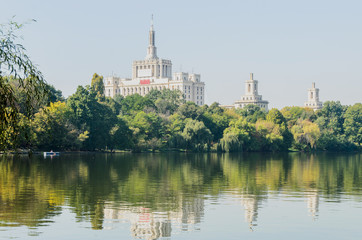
(135, 103)
(276, 117)
(166, 101)
(331, 117)
(148, 130)
(97, 86)
(53, 95)
(120, 136)
(270, 136)
(293, 114)
(215, 120)
(87, 114)
(230, 143)
(306, 134)
(53, 130)
(190, 110)
(196, 135)
(330, 121)
(251, 113)
(114, 105)
(240, 135)
(15, 62)
(353, 123)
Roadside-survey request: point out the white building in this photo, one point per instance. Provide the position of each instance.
(313, 98)
(251, 95)
(156, 73)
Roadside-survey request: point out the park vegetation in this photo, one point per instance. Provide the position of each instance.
(35, 116)
(163, 121)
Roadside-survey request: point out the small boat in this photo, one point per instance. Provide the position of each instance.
(51, 154)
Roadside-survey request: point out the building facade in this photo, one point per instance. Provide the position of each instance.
(156, 73)
(313, 98)
(251, 95)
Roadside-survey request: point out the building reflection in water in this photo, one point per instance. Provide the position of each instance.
(146, 224)
(313, 203)
(251, 205)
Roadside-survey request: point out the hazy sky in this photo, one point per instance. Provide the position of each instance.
(286, 44)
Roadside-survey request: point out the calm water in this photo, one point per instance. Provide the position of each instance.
(182, 196)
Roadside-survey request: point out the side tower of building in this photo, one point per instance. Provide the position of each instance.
(313, 98)
(251, 95)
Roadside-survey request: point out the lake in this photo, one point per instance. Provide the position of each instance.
(182, 196)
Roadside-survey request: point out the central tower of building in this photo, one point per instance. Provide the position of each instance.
(152, 66)
(154, 73)
(151, 50)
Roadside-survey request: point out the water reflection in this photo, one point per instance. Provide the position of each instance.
(313, 203)
(161, 194)
(148, 224)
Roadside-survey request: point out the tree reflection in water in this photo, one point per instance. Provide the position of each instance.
(166, 192)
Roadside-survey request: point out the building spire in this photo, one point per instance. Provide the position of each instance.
(151, 50)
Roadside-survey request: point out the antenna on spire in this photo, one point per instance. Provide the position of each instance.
(152, 21)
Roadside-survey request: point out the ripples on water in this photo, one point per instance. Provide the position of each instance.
(180, 196)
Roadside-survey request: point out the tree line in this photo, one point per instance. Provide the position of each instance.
(34, 115)
(163, 121)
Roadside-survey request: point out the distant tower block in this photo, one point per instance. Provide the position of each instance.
(251, 95)
(313, 98)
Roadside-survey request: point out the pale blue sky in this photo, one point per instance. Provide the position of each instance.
(286, 44)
